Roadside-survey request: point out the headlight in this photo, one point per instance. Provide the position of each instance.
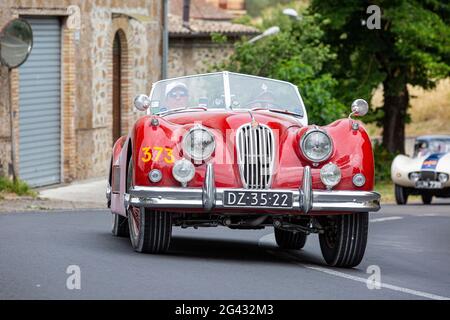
(414, 176)
(316, 145)
(199, 144)
(443, 177)
(183, 171)
(330, 174)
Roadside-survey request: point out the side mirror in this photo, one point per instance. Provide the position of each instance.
(142, 102)
(360, 107)
(16, 42)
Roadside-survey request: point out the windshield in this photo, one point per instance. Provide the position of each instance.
(225, 90)
(425, 147)
(249, 92)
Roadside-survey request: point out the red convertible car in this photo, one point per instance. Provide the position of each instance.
(234, 150)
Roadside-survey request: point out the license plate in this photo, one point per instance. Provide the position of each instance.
(263, 199)
(428, 185)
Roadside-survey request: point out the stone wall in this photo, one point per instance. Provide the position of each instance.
(87, 75)
(193, 55)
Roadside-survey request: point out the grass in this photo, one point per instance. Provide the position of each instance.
(430, 110)
(386, 189)
(18, 187)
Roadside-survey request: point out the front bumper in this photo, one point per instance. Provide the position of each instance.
(209, 197)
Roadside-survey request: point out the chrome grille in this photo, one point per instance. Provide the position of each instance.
(255, 150)
(428, 175)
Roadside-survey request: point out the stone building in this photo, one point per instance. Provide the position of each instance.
(73, 96)
(191, 49)
(236, 7)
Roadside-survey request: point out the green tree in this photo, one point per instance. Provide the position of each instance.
(412, 46)
(296, 54)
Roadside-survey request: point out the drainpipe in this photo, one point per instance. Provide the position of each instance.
(165, 42)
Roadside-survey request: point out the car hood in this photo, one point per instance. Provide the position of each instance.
(439, 162)
(226, 120)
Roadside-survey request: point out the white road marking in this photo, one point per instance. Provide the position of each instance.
(269, 240)
(385, 219)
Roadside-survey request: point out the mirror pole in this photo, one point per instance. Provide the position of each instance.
(11, 119)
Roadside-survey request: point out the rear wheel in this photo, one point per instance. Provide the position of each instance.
(427, 198)
(344, 241)
(401, 194)
(150, 230)
(290, 239)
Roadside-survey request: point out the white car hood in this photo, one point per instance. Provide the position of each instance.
(402, 166)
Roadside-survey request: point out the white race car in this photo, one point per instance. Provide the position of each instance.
(426, 173)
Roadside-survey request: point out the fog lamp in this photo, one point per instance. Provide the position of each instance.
(183, 171)
(330, 174)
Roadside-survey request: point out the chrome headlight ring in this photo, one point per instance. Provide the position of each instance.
(328, 146)
(190, 144)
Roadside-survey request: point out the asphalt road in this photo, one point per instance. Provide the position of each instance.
(409, 244)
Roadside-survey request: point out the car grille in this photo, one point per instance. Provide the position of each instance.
(428, 175)
(255, 150)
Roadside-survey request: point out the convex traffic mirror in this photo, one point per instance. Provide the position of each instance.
(16, 42)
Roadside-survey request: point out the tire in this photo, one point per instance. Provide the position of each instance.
(345, 238)
(290, 239)
(150, 230)
(427, 198)
(119, 226)
(401, 195)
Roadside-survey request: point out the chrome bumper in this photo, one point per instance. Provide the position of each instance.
(209, 197)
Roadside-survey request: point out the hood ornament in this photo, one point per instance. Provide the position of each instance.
(254, 124)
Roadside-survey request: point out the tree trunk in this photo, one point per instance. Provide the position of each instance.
(396, 101)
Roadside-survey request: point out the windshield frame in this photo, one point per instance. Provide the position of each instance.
(428, 141)
(227, 90)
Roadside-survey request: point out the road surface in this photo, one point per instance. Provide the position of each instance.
(409, 245)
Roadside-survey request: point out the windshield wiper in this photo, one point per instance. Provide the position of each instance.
(295, 114)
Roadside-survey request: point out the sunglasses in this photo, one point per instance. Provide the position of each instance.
(174, 94)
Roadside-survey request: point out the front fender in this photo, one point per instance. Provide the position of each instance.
(163, 142)
(401, 167)
(352, 152)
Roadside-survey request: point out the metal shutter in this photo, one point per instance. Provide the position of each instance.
(40, 106)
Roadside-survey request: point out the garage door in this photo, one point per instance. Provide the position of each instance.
(40, 106)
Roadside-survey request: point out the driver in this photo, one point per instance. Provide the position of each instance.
(177, 95)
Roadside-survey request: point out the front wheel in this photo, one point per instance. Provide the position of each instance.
(401, 195)
(427, 198)
(290, 239)
(150, 230)
(344, 240)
